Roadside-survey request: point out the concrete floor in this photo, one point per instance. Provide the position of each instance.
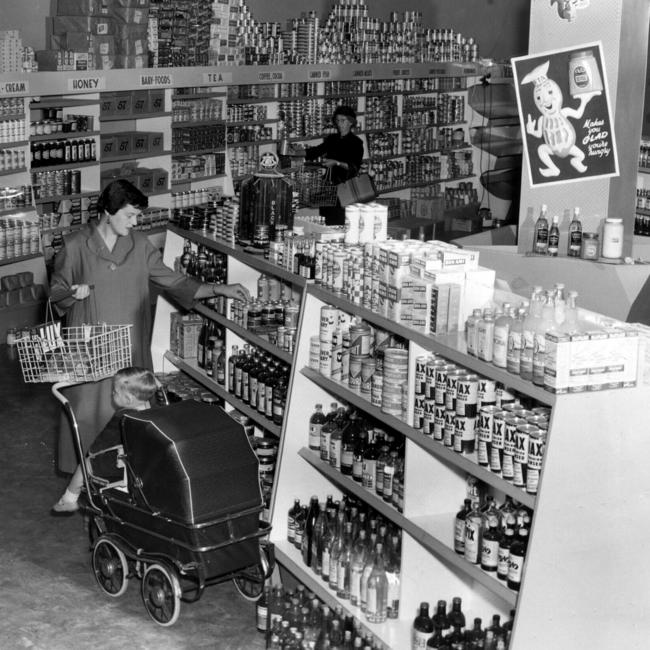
(49, 599)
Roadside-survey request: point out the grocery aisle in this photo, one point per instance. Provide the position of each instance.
(50, 600)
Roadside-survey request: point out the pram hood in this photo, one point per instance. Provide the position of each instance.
(193, 461)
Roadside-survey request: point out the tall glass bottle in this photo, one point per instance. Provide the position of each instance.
(544, 324)
(318, 533)
(456, 617)
(348, 442)
(377, 589)
(515, 341)
(490, 548)
(393, 563)
(459, 527)
(540, 242)
(528, 336)
(504, 553)
(471, 331)
(344, 564)
(372, 545)
(336, 550)
(501, 331)
(369, 468)
(326, 432)
(310, 521)
(358, 453)
(554, 236)
(422, 628)
(291, 520)
(575, 234)
(485, 336)
(301, 517)
(516, 559)
(440, 618)
(473, 523)
(357, 564)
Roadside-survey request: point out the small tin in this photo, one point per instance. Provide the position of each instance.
(466, 395)
(520, 460)
(536, 447)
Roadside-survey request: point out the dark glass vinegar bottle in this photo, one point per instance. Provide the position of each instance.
(422, 628)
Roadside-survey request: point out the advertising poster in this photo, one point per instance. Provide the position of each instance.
(565, 115)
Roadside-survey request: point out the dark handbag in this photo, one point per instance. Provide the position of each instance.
(359, 189)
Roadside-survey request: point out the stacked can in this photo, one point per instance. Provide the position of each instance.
(395, 382)
(328, 324)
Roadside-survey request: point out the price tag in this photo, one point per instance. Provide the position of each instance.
(86, 84)
(436, 72)
(14, 88)
(365, 73)
(156, 80)
(401, 72)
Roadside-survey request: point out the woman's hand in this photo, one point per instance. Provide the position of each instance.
(80, 291)
(329, 163)
(235, 291)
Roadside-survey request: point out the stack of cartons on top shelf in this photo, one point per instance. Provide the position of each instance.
(96, 35)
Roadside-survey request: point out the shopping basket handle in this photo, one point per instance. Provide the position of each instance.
(65, 293)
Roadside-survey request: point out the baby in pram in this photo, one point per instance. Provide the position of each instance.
(133, 390)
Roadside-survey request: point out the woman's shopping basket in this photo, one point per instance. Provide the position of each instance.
(52, 353)
(314, 186)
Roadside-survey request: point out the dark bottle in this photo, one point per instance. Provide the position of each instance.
(262, 610)
(310, 521)
(440, 618)
(490, 548)
(185, 258)
(301, 517)
(504, 553)
(316, 422)
(476, 634)
(437, 640)
(369, 467)
(210, 356)
(263, 376)
(422, 628)
(516, 560)
(271, 383)
(496, 628)
(251, 362)
(326, 432)
(291, 520)
(317, 537)
(242, 359)
(253, 385)
(575, 235)
(202, 343)
(279, 399)
(232, 359)
(456, 616)
(348, 442)
(382, 457)
(459, 527)
(220, 364)
(357, 457)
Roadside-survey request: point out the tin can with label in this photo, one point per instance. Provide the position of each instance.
(495, 447)
(487, 392)
(509, 444)
(448, 428)
(536, 447)
(504, 396)
(484, 434)
(451, 388)
(377, 390)
(337, 353)
(466, 395)
(314, 352)
(430, 377)
(354, 380)
(438, 422)
(345, 356)
(420, 374)
(440, 388)
(325, 358)
(418, 412)
(520, 460)
(429, 414)
(338, 260)
(360, 338)
(367, 372)
(464, 434)
(328, 321)
(291, 313)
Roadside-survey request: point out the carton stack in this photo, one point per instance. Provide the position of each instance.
(96, 34)
(11, 51)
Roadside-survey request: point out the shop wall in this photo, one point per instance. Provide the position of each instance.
(500, 27)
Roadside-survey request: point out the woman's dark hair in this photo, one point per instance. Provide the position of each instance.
(119, 193)
(346, 111)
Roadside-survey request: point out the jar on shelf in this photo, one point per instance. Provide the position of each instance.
(589, 247)
(612, 239)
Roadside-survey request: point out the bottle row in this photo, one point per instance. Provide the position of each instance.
(58, 152)
(12, 159)
(18, 237)
(195, 167)
(353, 550)
(56, 183)
(12, 131)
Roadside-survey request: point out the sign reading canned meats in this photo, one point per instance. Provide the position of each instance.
(566, 124)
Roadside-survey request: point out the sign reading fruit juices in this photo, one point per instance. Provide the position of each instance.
(565, 116)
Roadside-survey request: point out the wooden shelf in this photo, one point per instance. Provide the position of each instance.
(11, 172)
(435, 533)
(56, 198)
(67, 165)
(247, 335)
(188, 181)
(177, 124)
(16, 143)
(451, 347)
(271, 120)
(189, 366)
(60, 135)
(467, 463)
(12, 116)
(20, 258)
(198, 152)
(52, 101)
(133, 116)
(200, 95)
(135, 156)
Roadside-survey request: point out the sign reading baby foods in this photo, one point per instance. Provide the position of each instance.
(565, 115)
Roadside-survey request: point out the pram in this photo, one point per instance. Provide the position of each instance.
(185, 514)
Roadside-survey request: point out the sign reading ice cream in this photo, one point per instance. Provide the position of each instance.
(565, 115)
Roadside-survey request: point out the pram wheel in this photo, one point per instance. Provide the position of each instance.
(161, 594)
(110, 567)
(250, 582)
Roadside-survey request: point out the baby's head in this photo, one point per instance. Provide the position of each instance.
(133, 388)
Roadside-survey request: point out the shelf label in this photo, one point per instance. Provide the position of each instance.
(156, 80)
(401, 72)
(366, 72)
(319, 74)
(436, 72)
(86, 83)
(270, 76)
(216, 78)
(14, 88)
(469, 71)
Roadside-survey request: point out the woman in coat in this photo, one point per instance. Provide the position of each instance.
(118, 262)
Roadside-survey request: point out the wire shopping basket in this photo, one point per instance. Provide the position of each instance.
(52, 353)
(314, 186)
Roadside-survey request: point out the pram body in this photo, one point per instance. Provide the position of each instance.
(185, 515)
